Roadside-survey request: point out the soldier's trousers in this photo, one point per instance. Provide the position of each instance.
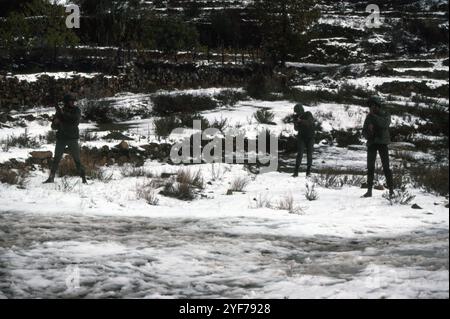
(74, 150)
(302, 146)
(372, 151)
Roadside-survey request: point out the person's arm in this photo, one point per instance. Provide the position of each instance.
(367, 128)
(71, 117)
(296, 122)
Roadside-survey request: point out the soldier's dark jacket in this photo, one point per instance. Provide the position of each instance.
(380, 134)
(306, 128)
(69, 120)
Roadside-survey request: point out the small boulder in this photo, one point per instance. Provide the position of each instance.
(415, 206)
(41, 155)
(123, 146)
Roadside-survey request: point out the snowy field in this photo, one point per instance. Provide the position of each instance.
(340, 246)
(242, 245)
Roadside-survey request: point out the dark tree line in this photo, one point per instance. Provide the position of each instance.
(272, 28)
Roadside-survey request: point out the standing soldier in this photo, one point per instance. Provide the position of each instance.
(66, 122)
(304, 125)
(376, 131)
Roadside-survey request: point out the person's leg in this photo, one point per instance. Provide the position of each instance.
(300, 150)
(384, 155)
(310, 149)
(59, 151)
(371, 158)
(74, 150)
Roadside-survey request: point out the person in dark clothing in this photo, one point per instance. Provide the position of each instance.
(376, 131)
(66, 121)
(304, 125)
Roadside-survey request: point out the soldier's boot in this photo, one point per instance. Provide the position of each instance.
(391, 188)
(391, 193)
(368, 194)
(83, 178)
(308, 171)
(296, 171)
(50, 179)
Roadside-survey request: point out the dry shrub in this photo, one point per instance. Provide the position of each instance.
(433, 179)
(239, 184)
(287, 203)
(311, 193)
(91, 165)
(148, 193)
(183, 185)
(13, 177)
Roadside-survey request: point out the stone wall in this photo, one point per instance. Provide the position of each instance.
(136, 78)
(46, 90)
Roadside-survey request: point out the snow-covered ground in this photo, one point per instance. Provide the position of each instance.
(218, 245)
(339, 246)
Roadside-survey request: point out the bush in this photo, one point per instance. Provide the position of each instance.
(287, 203)
(239, 184)
(433, 179)
(50, 137)
(346, 94)
(148, 193)
(106, 111)
(187, 120)
(400, 197)
(92, 168)
(264, 116)
(190, 178)
(11, 177)
(310, 97)
(130, 171)
(311, 193)
(262, 202)
(346, 138)
(407, 88)
(23, 141)
(183, 185)
(182, 103)
(101, 175)
(261, 87)
(230, 97)
(178, 191)
(334, 180)
(165, 125)
(221, 124)
(91, 136)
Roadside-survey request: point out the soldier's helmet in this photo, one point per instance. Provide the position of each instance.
(68, 98)
(299, 109)
(375, 101)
